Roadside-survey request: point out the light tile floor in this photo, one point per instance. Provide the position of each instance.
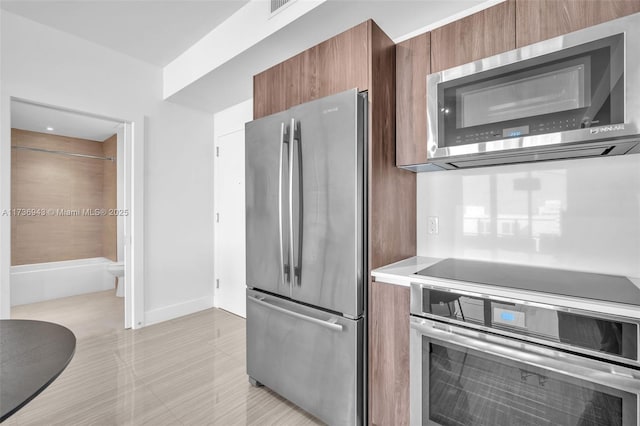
(187, 371)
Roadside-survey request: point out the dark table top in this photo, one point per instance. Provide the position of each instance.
(32, 355)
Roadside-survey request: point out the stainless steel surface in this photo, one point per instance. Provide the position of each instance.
(602, 373)
(315, 367)
(262, 148)
(327, 208)
(587, 285)
(417, 309)
(330, 323)
(623, 136)
(309, 344)
(512, 351)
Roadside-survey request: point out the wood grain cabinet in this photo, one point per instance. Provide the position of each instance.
(538, 20)
(389, 335)
(413, 64)
(338, 64)
(486, 33)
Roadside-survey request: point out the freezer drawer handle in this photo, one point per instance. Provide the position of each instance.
(330, 323)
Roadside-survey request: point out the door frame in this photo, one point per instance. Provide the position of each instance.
(133, 187)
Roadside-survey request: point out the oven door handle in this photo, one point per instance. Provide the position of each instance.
(560, 362)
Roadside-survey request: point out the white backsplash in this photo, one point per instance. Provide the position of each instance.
(576, 214)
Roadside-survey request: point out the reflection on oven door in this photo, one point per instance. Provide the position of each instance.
(468, 387)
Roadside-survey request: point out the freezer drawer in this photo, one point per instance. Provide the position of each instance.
(311, 357)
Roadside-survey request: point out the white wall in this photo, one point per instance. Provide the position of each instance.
(48, 66)
(179, 219)
(577, 214)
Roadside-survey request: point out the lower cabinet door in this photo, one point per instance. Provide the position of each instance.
(311, 357)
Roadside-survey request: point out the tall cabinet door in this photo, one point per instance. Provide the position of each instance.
(267, 186)
(328, 203)
(538, 20)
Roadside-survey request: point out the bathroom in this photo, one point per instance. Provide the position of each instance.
(66, 212)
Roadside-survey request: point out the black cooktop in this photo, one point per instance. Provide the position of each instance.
(585, 285)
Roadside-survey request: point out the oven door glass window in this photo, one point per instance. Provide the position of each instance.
(466, 387)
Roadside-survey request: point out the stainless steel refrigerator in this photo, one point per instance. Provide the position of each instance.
(306, 260)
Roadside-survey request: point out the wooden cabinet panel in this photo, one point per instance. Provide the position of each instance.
(268, 92)
(392, 191)
(478, 36)
(336, 65)
(538, 20)
(389, 354)
(413, 64)
(342, 61)
(392, 237)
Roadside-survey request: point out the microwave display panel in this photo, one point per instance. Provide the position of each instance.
(573, 88)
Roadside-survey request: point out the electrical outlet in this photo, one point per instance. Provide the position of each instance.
(433, 225)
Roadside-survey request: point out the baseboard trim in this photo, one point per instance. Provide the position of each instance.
(178, 310)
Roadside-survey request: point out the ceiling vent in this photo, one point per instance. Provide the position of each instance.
(278, 5)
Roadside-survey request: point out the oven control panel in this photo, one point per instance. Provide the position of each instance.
(609, 336)
(509, 317)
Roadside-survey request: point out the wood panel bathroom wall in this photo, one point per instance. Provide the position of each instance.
(51, 181)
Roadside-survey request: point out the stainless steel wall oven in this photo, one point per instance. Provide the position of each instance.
(479, 359)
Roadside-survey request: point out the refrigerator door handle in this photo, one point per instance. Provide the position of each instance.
(330, 323)
(296, 262)
(284, 270)
(291, 151)
(296, 133)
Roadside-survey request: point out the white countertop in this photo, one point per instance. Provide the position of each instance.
(403, 273)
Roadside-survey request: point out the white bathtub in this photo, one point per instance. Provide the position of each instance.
(52, 280)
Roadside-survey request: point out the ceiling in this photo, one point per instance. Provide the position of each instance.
(154, 31)
(232, 83)
(157, 31)
(37, 118)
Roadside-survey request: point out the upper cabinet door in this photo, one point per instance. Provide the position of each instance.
(342, 61)
(413, 64)
(538, 20)
(331, 67)
(478, 36)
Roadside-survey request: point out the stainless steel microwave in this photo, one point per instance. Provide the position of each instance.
(572, 96)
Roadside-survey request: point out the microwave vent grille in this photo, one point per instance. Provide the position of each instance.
(543, 156)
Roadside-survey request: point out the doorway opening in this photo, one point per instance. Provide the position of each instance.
(69, 212)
